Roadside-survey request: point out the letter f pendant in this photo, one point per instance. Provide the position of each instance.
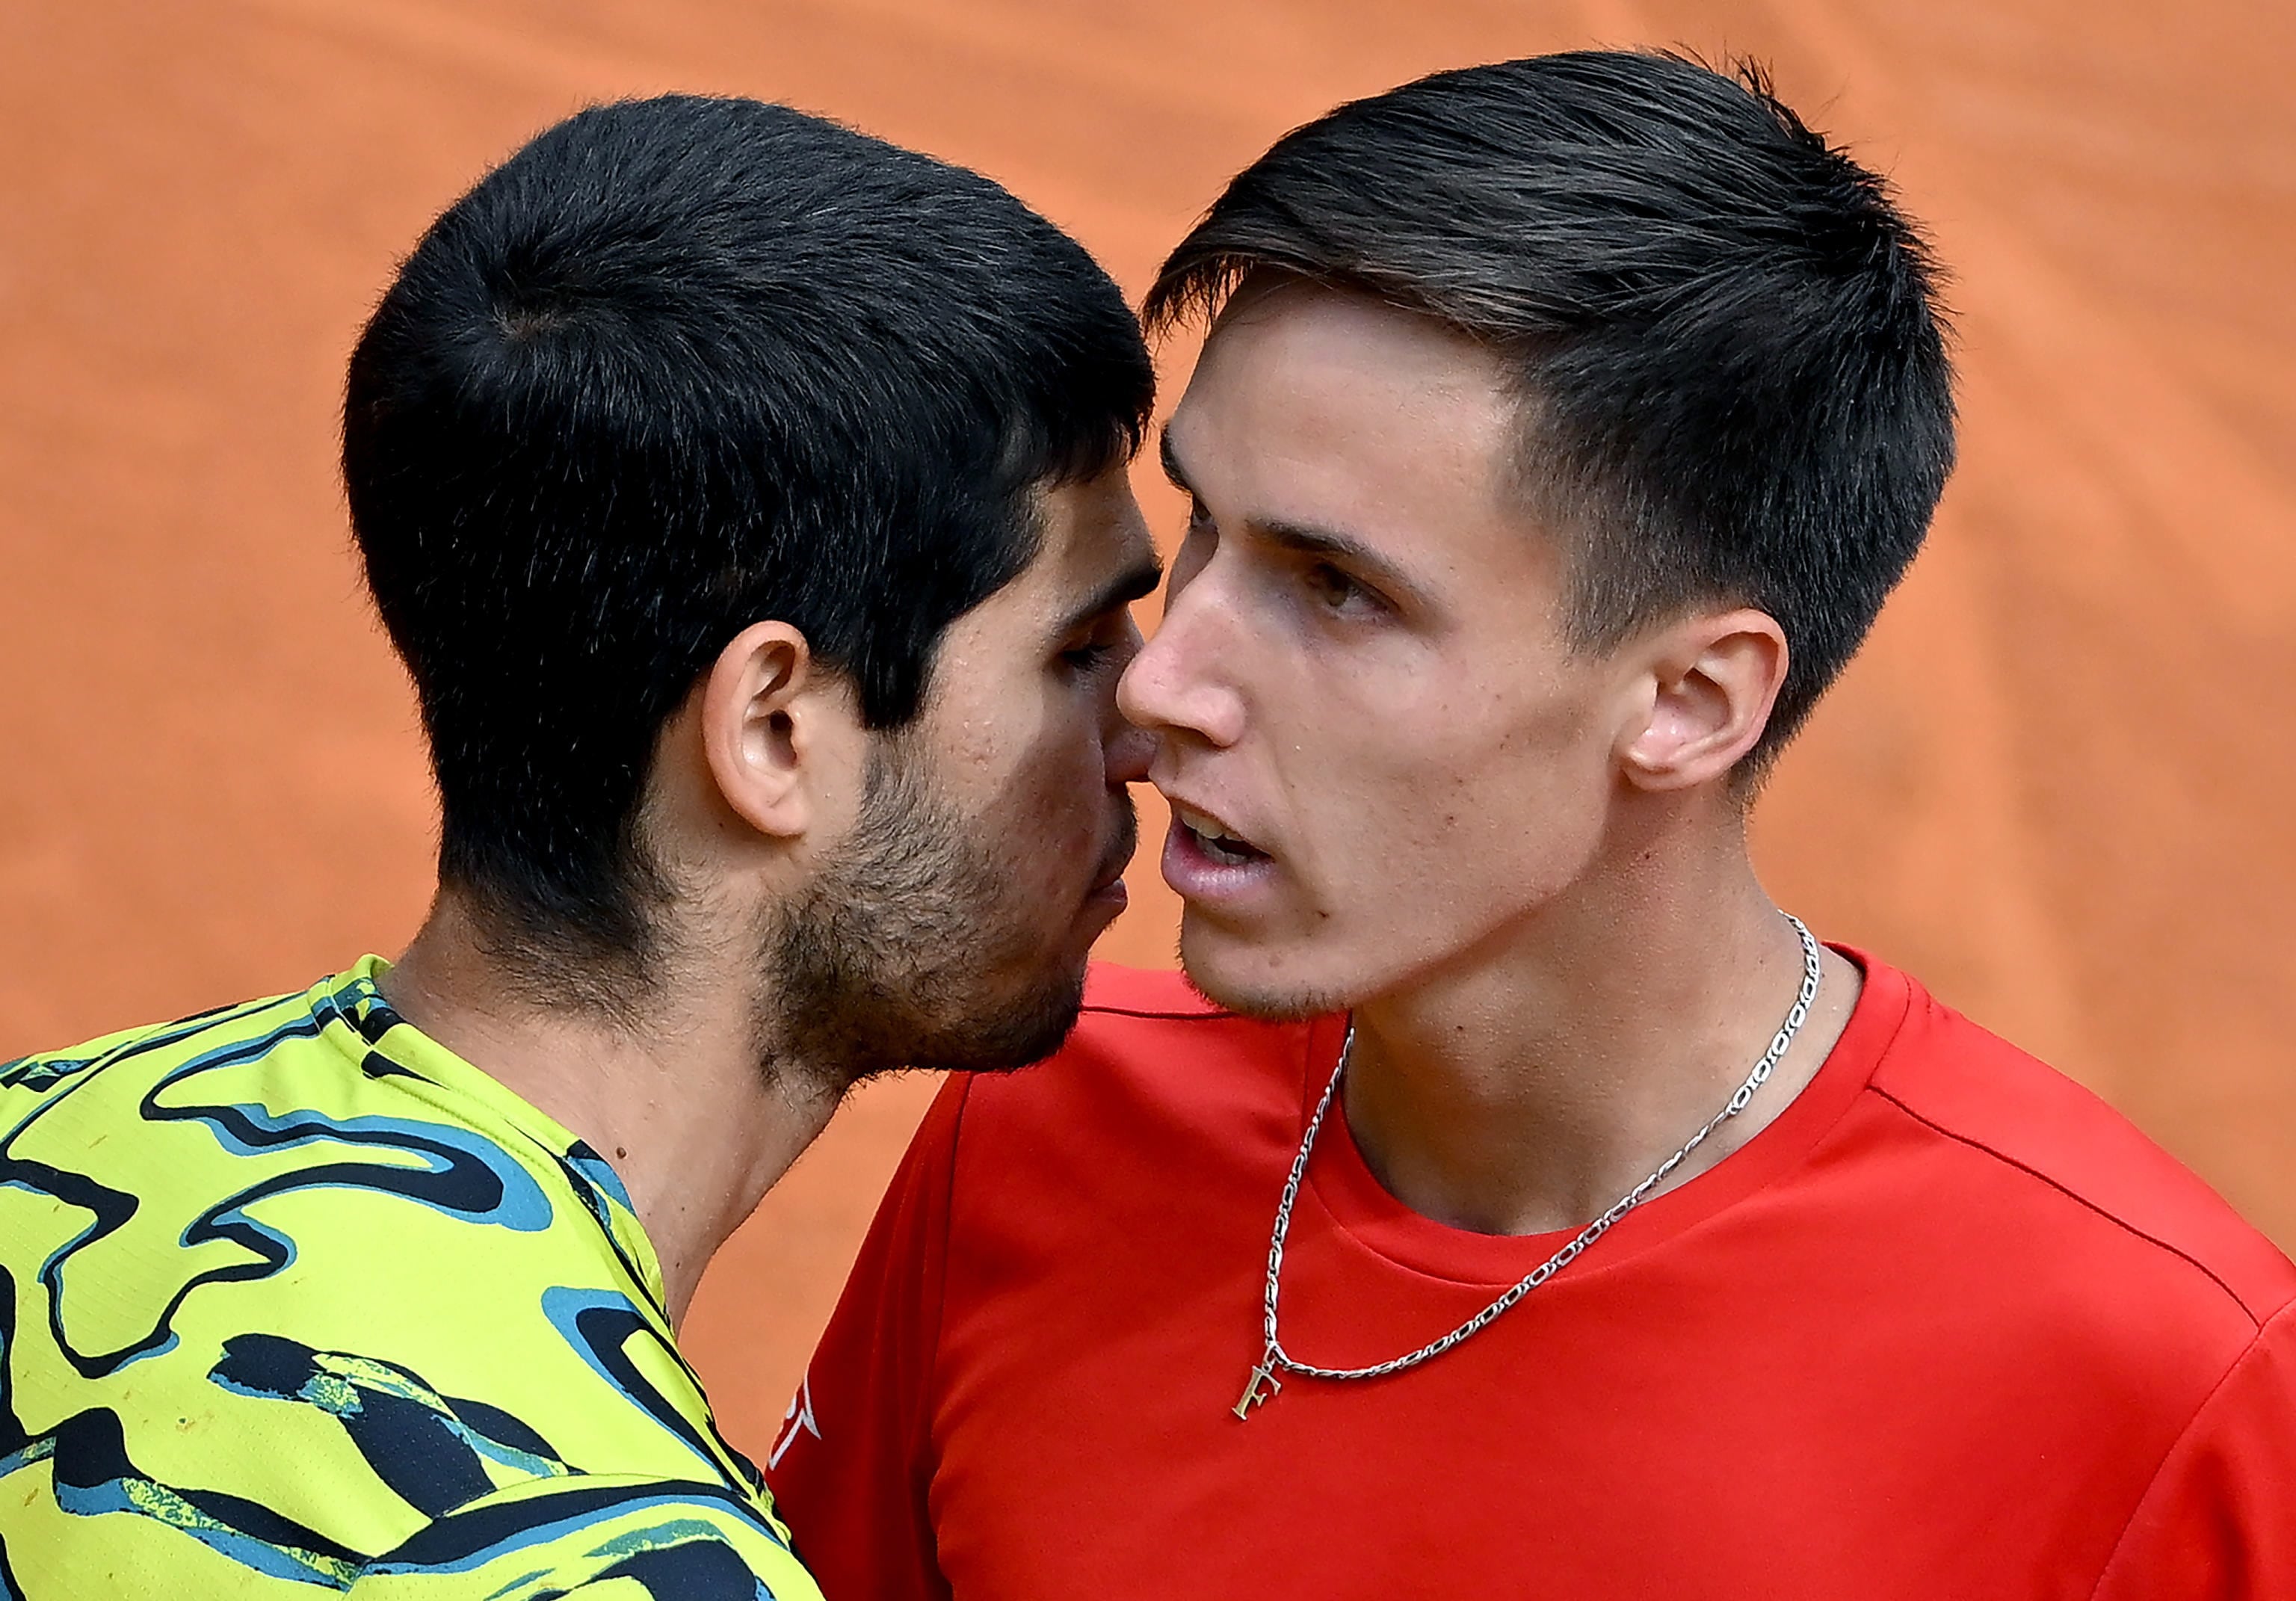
(1262, 1387)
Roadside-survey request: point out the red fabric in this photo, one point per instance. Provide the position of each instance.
(1947, 1328)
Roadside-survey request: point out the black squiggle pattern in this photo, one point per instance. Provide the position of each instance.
(429, 1449)
(470, 1179)
(143, 1165)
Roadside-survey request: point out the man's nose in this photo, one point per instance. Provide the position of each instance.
(1165, 689)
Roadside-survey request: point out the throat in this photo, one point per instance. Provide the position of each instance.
(1483, 1168)
(1544, 1131)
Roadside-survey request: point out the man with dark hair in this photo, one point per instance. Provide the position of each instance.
(1534, 1208)
(747, 498)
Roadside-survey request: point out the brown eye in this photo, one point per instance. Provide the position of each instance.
(1334, 587)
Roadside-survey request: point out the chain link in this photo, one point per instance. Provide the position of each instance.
(1278, 1359)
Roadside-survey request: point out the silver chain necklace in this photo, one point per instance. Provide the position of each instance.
(1263, 1382)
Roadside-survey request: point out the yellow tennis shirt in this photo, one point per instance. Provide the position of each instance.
(291, 1298)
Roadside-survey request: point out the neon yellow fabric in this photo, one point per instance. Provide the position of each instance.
(292, 1297)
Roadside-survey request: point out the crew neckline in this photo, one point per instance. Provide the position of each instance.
(1343, 1184)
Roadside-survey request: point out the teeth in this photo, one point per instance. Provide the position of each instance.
(1218, 842)
(1206, 828)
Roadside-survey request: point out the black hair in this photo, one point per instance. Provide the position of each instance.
(1727, 338)
(676, 366)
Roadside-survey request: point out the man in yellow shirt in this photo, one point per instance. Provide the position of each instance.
(746, 499)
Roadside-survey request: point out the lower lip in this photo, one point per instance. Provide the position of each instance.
(1203, 879)
(1110, 897)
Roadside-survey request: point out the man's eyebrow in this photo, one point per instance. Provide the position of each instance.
(1130, 585)
(1303, 539)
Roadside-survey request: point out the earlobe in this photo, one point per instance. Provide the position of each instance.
(1709, 689)
(757, 706)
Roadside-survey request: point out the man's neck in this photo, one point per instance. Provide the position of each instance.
(677, 1103)
(1529, 1088)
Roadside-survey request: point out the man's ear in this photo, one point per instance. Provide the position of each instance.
(765, 711)
(1712, 680)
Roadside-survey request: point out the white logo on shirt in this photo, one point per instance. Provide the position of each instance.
(797, 1419)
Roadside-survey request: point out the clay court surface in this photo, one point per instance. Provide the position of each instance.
(2056, 785)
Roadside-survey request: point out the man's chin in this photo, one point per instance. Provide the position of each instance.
(1233, 974)
(1006, 1036)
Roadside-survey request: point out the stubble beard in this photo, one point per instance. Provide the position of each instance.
(1263, 1002)
(911, 948)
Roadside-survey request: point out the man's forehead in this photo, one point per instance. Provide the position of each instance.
(1352, 336)
(1093, 542)
(1331, 426)
(1094, 530)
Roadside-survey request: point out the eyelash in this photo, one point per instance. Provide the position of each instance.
(1085, 658)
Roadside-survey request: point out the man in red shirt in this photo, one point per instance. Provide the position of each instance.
(1534, 1209)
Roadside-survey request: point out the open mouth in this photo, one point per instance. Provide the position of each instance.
(1218, 842)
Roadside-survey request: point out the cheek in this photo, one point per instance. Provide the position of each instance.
(1059, 815)
(1456, 814)
(1047, 814)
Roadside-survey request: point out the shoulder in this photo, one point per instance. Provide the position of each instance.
(156, 1048)
(384, 1298)
(280, 1102)
(2067, 1168)
(256, 1193)
(380, 1302)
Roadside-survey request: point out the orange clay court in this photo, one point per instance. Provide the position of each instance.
(2055, 784)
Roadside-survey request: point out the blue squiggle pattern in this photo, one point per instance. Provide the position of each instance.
(203, 1123)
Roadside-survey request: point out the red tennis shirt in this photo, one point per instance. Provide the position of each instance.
(1947, 1328)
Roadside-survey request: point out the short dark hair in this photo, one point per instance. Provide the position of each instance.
(1727, 338)
(676, 366)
